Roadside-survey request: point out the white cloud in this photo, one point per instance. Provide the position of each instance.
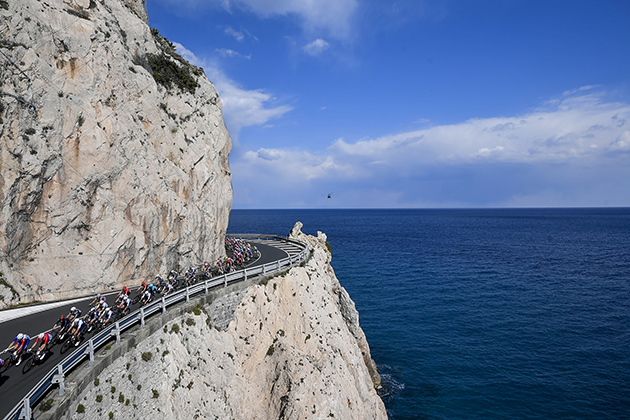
(569, 130)
(622, 143)
(226, 52)
(241, 107)
(287, 168)
(333, 17)
(578, 90)
(239, 36)
(537, 156)
(316, 47)
(268, 154)
(189, 55)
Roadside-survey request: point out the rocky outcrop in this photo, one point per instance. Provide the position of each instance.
(290, 349)
(113, 151)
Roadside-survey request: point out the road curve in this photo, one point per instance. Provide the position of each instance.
(14, 384)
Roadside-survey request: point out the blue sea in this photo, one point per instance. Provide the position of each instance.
(484, 314)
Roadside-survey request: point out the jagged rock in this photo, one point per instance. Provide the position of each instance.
(344, 303)
(290, 352)
(106, 175)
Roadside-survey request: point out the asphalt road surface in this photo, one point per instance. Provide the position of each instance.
(14, 384)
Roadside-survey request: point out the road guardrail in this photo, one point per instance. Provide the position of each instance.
(56, 376)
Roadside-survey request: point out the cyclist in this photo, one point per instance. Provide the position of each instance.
(78, 325)
(152, 289)
(168, 289)
(121, 299)
(190, 275)
(124, 292)
(102, 306)
(96, 300)
(19, 344)
(44, 338)
(74, 313)
(91, 317)
(106, 316)
(143, 287)
(146, 297)
(62, 324)
(124, 305)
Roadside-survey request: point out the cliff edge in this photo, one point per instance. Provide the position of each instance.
(287, 348)
(113, 151)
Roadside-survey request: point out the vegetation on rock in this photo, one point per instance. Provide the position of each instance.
(170, 68)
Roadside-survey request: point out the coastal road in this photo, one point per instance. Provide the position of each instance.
(14, 384)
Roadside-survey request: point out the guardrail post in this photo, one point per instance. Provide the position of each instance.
(90, 350)
(278, 264)
(116, 332)
(225, 280)
(59, 378)
(245, 272)
(206, 284)
(264, 269)
(142, 316)
(188, 294)
(26, 411)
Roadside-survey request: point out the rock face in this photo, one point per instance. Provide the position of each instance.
(113, 151)
(292, 349)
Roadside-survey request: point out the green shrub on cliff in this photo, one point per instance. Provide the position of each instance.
(170, 68)
(167, 72)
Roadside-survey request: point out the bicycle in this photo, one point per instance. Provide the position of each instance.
(37, 358)
(8, 362)
(12, 360)
(73, 341)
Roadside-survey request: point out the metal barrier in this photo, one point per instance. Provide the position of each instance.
(57, 375)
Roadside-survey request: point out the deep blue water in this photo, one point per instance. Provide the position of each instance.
(485, 314)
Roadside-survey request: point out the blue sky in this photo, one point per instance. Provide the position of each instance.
(402, 103)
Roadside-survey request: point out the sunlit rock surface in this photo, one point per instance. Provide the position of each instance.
(291, 348)
(105, 175)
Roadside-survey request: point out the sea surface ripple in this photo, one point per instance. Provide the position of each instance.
(485, 314)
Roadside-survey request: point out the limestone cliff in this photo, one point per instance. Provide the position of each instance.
(113, 151)
(291, 348)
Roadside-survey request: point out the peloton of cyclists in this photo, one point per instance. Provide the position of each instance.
(101, 312)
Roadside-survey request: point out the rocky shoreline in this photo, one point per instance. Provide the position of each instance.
(289, 347)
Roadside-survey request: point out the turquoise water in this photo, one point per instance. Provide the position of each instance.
(485, 314)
